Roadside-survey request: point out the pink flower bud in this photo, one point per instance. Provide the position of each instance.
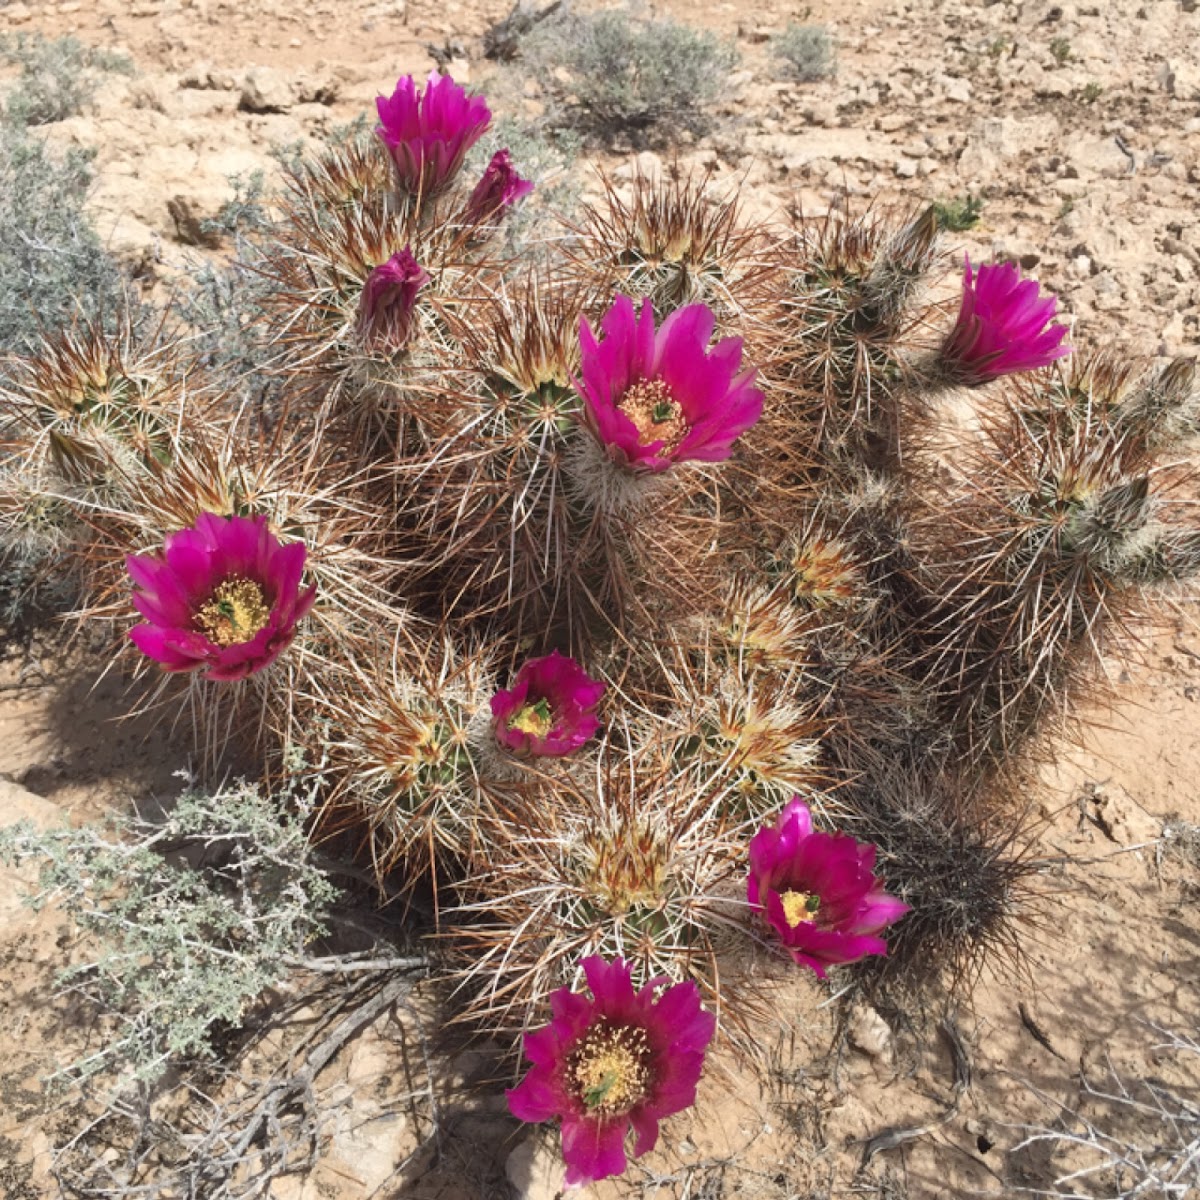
(389, 297)
(428, 132)
(499, 189)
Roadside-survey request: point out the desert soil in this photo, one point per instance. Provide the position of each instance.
(1094, 191)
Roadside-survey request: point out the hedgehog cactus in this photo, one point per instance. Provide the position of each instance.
(616, 551)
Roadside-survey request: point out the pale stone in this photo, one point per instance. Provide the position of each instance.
(870, 1033)
(265, 90)
(535, 1170)
(1120, 816)
(1098, 156)
(647, 165)
(958, 90)
(1183, 79)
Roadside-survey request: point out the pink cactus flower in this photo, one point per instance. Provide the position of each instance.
(1003, 326)
(617, 1060)
(817, 891)
(658, 398)
(499, 189)
(550, 709)
(389, 296)
(223, 597)
(428, 132)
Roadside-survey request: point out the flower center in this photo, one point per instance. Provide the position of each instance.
(234, 613)
(610, 1068)
(656, 415)
(534, 719)
(799, 907)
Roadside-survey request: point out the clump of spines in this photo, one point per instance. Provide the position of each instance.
(967, 867)
(671, 240)
(638, 858)
(847, 308)
(1039, 554)
(402, 732)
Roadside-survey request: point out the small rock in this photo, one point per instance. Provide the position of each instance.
(1081, 267)
(1173, 333)
(870, 1033)
(16, 14)
(1120, 817)
(1183, 79)
(317, 88)
(148, 93)
(958, 90)
(535, 1170)
(1098, 156)
(820, 113)
(907, 168)
(647, 165)
(190, 227)
(204, 77)
(265, 90)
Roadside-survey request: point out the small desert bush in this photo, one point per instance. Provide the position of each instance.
(52, 264)
(189, 919)
(53, 270)
(958, 213)
(808, 50)
(57, 77)
(643, 78)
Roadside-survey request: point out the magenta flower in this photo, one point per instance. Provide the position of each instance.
(818, 892)
(389, 296)
(549, 710)
(223, 597)
(618, 1060)
(428, 132)
(499, 189)
(657, 398)
(1003, 326)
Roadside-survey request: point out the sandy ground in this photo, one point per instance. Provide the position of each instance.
(1096, 194)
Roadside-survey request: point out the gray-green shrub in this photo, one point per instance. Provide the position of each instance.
(179, 951)
(808, 51)
(58, 77)
(645, 78)
(52, 264)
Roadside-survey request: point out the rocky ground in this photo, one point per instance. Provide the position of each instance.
(1078, 126)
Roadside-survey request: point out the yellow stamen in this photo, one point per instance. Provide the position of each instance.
(655, 413)
(535, 719)
(610, 1068)
(799, 907)
(236, 611)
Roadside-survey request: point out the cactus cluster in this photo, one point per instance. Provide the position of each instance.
(563, 575)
